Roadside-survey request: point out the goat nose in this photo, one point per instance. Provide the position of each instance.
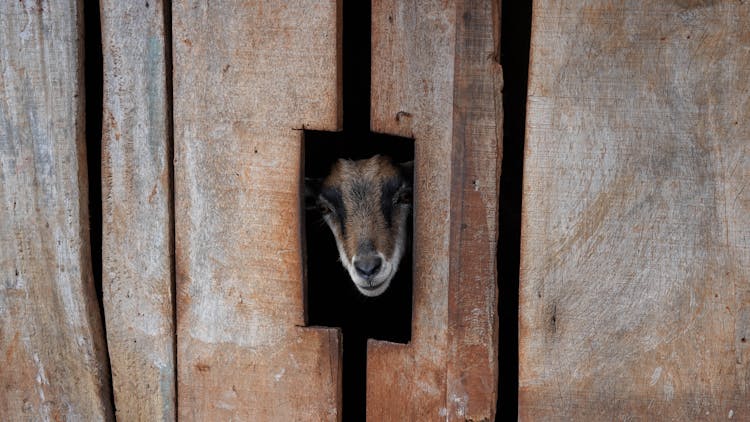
(368, 266)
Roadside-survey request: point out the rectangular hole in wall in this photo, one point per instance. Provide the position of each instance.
(332, 300)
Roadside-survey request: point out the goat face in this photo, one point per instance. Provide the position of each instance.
(366, 204)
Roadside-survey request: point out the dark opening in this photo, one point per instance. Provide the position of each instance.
(93, 89)
(93, 82)
(168, 64)
(515, 40)
(332, 299)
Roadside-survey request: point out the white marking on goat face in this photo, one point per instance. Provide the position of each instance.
(366, 204)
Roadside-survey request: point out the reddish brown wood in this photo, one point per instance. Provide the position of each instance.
(248, 76)
(136, 206)
(53, 363)
(635, 275)
(435, 78)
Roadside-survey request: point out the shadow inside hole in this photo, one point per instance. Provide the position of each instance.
(331, 298)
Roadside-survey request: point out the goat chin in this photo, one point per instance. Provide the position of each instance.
(379, 284)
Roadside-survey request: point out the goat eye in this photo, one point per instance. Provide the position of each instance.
(324, 208)
(404, 197)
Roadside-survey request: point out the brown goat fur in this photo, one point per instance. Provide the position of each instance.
(366, 204)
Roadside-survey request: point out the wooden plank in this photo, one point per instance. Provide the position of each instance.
(54, 364)
(435, 78)
(247, 75)
(136, 202)
(635, 284)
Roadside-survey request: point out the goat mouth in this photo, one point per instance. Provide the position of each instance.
(373, 290)
(375, 284)
(371, 287)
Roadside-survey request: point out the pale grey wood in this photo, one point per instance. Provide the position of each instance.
(54, 365)
(635, 275)
(435, 78)
(248, 75)
(136, 206)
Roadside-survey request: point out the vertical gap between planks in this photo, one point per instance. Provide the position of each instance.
(93, 88)
(168, 67)
(515, 40)
(93, 97)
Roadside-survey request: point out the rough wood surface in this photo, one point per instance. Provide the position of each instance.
(635, 285)
(136, 201)
(54, 366)
(248, 75)
(435, 78)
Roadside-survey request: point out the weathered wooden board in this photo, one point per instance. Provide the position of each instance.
(51, 343)
(435, 78)
(247, 76)
(635, 285)
(136, 206)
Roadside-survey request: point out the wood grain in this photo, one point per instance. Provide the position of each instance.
(54, 364)
(248, 75)
(435, 79)
(635, 278)
(136, 206)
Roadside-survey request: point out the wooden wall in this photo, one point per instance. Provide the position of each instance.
(435, 78)
(635, 273)
(635, 285)
(53, 362)
(248, 77)
(137, 207)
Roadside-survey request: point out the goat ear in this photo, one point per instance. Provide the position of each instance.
(312, 190)
(407, 171)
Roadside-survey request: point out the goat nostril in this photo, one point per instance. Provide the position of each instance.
(367, 267)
